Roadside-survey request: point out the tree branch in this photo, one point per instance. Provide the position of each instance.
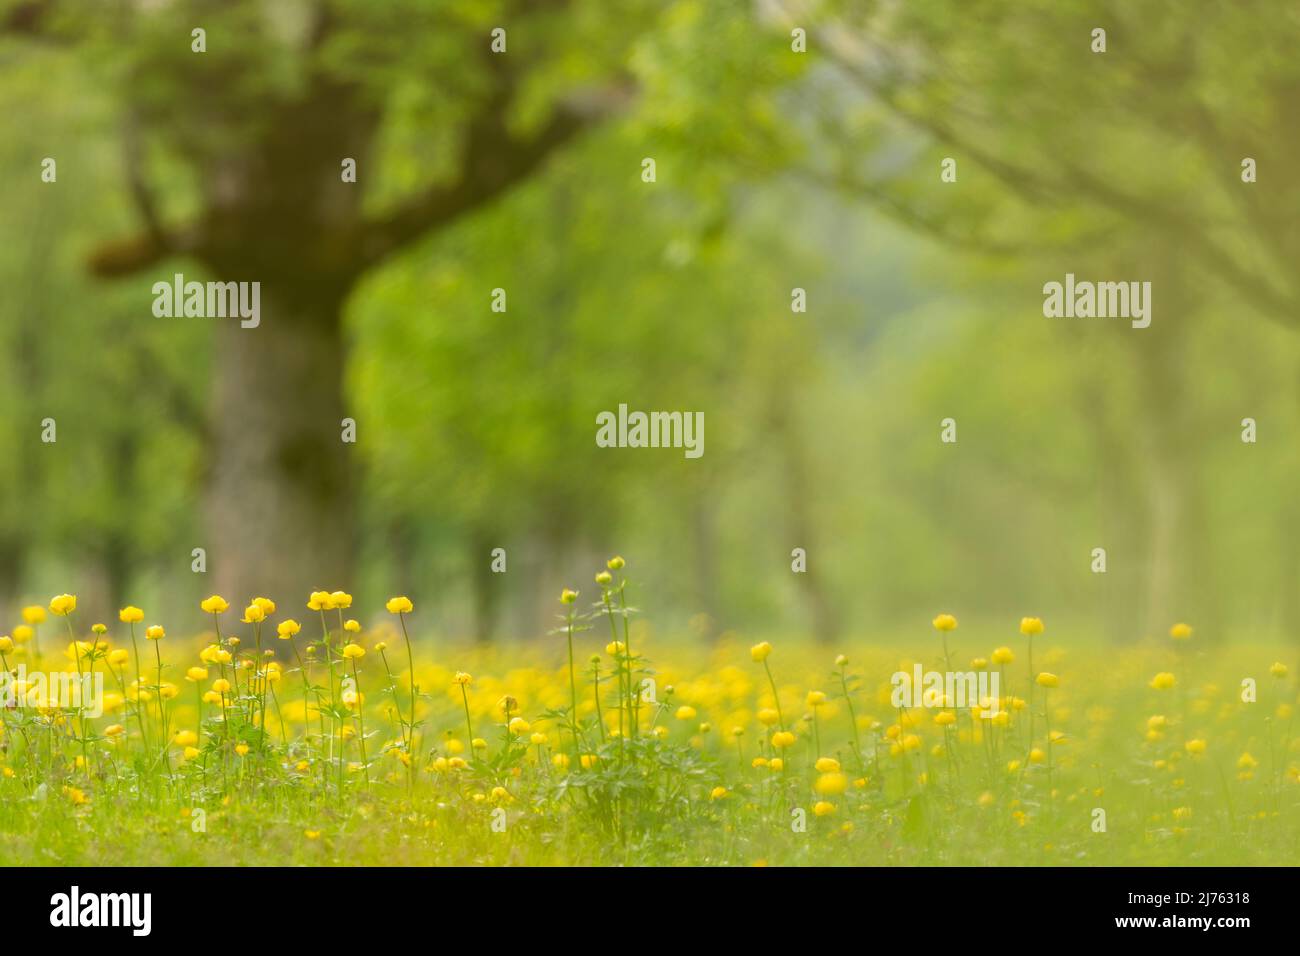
(126, 256)
(155, 243)
(494, 159)
(1281, 305)
(29, 18)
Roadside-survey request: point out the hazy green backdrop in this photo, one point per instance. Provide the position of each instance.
(775, 169)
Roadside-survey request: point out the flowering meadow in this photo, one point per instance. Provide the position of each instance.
(280, 735)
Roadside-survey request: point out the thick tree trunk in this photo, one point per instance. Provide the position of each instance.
(801, 531)
(280, 506)
(13, 559)
(1181, 583)
(484, 584)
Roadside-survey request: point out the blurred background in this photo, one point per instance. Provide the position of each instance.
(775, 169)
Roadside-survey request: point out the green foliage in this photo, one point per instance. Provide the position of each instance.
(776, 170)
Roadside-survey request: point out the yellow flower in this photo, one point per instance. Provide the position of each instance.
(1163, 681)
(399, 605)
(1196, 746)
(311, 834)
(196, 674)
(34, 614)
(782, 739)
(816, 698)
(589, 760)
(130, 615)
(23, 633)
(560, 761)
(287, 629)
(831, 784)
(614, 648)
(1247, 762)
(717, 793)
(776, 765)
(190, 753)
(686, 712)
(759, 652)
(354, 652)
(615, 563)
(1003, 655)
(221, 685)
(185, 738)
(462, 679)
(1278, 669)
(827, 765)
(6, 644)
(1180, 632)
(767, 716)
(254, 614)
(154, 632)
(603, 578)
(945, 718)
(537, 739)
(823, 809)
(341, 600)
(1030, 626)
(518, 726)
(568, 596)
(1037, 756)
(266, 604)
(241, 749)
(63, 604)
(945, 622)
(114, 730)
(979, 663)
(1182, 813)
(352, 626)
(214, 605)
(1048, 679)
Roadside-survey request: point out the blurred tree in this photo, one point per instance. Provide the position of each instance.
(264, 119)
(476, 426)
(1067, 153)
